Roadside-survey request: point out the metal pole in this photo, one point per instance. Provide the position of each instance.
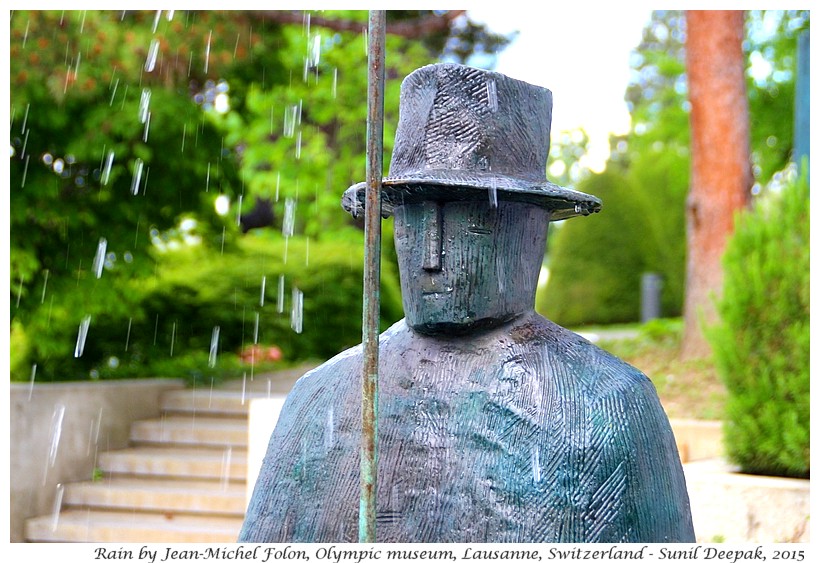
(801, 106)
(372, 257)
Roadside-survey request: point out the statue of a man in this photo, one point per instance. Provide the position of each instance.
(494, 424)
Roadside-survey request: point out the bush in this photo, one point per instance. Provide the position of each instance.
(57, 340)
(202, 307)
(596, 262)
(761, 344)
(662, 185)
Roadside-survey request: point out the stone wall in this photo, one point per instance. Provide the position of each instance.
(57, 431)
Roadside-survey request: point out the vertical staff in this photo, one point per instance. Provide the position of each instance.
(372, 258)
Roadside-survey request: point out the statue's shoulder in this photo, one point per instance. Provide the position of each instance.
(346, 365)
(338, 368)
(600, 372)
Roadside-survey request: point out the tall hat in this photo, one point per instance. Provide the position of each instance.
(466, 133)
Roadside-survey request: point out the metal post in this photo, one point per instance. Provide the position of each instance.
(801, 106)
(651, 284)
(372, 257)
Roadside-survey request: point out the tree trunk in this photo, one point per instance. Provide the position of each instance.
(721, 170)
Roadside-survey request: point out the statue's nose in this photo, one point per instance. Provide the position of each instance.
(431, 224)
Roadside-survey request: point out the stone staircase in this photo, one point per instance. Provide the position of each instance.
(183, 478)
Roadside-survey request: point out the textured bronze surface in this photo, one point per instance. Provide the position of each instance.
(494, 424)
(522, 433)
(463, 132)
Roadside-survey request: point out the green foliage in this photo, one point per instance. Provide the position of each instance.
(59, 324)
(596, 262)
(595, 276)
(662, 330)
(656, 94)
(772, 45)
(307, 142)
(120, 150)
(565, 155)
(19, 350)
(201, 308)
(653, 158)
(762, 343)
(107, 154)
(661, 177)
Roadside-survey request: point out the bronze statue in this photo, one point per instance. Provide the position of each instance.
(495, 424)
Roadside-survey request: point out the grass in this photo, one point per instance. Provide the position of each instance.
(687, 389)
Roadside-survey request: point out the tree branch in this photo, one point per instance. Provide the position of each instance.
(411, 29)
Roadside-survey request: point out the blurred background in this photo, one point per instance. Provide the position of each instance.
(175, 180)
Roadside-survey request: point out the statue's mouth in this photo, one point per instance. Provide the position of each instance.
(432, 286)
(442, 291)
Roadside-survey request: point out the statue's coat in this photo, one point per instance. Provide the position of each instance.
(523, 433)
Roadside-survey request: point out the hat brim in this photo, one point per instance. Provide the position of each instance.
(563, 203)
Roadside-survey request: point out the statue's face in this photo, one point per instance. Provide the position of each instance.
(466, 265)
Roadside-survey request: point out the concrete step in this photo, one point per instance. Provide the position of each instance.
(729, 506)
(227, 463)
(698, 439)
(167, 496)
(98, 526)
(197, 430)
(182, 481)
(209, 402)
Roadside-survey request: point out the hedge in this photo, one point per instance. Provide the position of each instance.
(202, 307)
(762, 341)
